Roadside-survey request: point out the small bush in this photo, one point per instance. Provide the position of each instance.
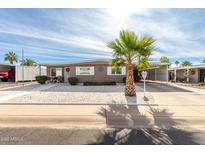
(202, 84)
(99, 83)
(41, 79)
(124, 80)
(73, 80)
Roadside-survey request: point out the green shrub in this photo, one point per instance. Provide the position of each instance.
(73, 80)
(124, 80)
(202, 84)
(41, 79)
(87, 83)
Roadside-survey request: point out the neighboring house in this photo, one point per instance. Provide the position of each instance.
(193, 74)
(101, 71)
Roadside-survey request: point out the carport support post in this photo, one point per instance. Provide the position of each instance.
(187, 71)
(23, 67)
(144, 88)
(175, 75)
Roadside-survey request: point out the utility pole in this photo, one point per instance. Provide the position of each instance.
(23, 67)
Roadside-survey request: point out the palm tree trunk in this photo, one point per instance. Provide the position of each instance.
(130, 85)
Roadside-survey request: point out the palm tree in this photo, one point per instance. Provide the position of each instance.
(11, 57)
(127, 49)
(176, 63)
(28, 62)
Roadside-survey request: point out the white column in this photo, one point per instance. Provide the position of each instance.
(167, 73)
(155, 74)
(187, 79)
(175, 75)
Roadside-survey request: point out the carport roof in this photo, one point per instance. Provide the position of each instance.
(188, 67)
(3, 64)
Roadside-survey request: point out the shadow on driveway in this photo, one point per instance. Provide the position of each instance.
(125, 118)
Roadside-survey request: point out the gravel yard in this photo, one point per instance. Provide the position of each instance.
(66, 94)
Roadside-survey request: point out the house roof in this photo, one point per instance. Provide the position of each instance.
(188, 67)
(77, 63)
(97, 61)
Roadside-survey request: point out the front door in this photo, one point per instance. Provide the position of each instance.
(66, 74)
(202, 75)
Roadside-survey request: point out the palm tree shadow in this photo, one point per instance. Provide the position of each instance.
(119, 116)
(129, 126)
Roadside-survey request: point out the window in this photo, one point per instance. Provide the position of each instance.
(84, 70)
(118, 71)
(56, 72)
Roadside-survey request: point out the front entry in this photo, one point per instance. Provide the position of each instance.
(202, 75)
(66, 74)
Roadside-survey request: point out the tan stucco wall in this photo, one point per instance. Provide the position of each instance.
(193, 78)
(100, 76)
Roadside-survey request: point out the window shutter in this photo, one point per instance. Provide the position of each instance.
(92, 71)
(123, 70)
(108, 70)
(77, 71)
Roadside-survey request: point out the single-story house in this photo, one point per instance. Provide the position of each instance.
(193, 74)
(101, 71)
(97, 71)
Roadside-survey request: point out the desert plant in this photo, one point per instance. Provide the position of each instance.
(73, 80)
(128, 48)
(42, 79)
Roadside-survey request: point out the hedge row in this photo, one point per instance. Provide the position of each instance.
(99, 83)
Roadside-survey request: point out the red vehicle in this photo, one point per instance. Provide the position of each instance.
(7, 75)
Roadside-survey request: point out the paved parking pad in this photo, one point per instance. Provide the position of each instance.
(66, 94)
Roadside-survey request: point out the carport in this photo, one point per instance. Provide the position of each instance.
(158, 72)
(24, 73)
(7, 67)
(193, 74)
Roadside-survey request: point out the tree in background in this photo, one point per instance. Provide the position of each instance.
(177, 63)
(186, 63)
(11, 57)
(128, 48)
(28, 62)
(164, 59)
(203, 61)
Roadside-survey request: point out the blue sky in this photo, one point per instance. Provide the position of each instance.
(69, 35)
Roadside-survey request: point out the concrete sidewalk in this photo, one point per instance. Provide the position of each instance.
(97, 116)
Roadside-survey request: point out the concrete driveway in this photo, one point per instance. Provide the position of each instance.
(71, 95)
